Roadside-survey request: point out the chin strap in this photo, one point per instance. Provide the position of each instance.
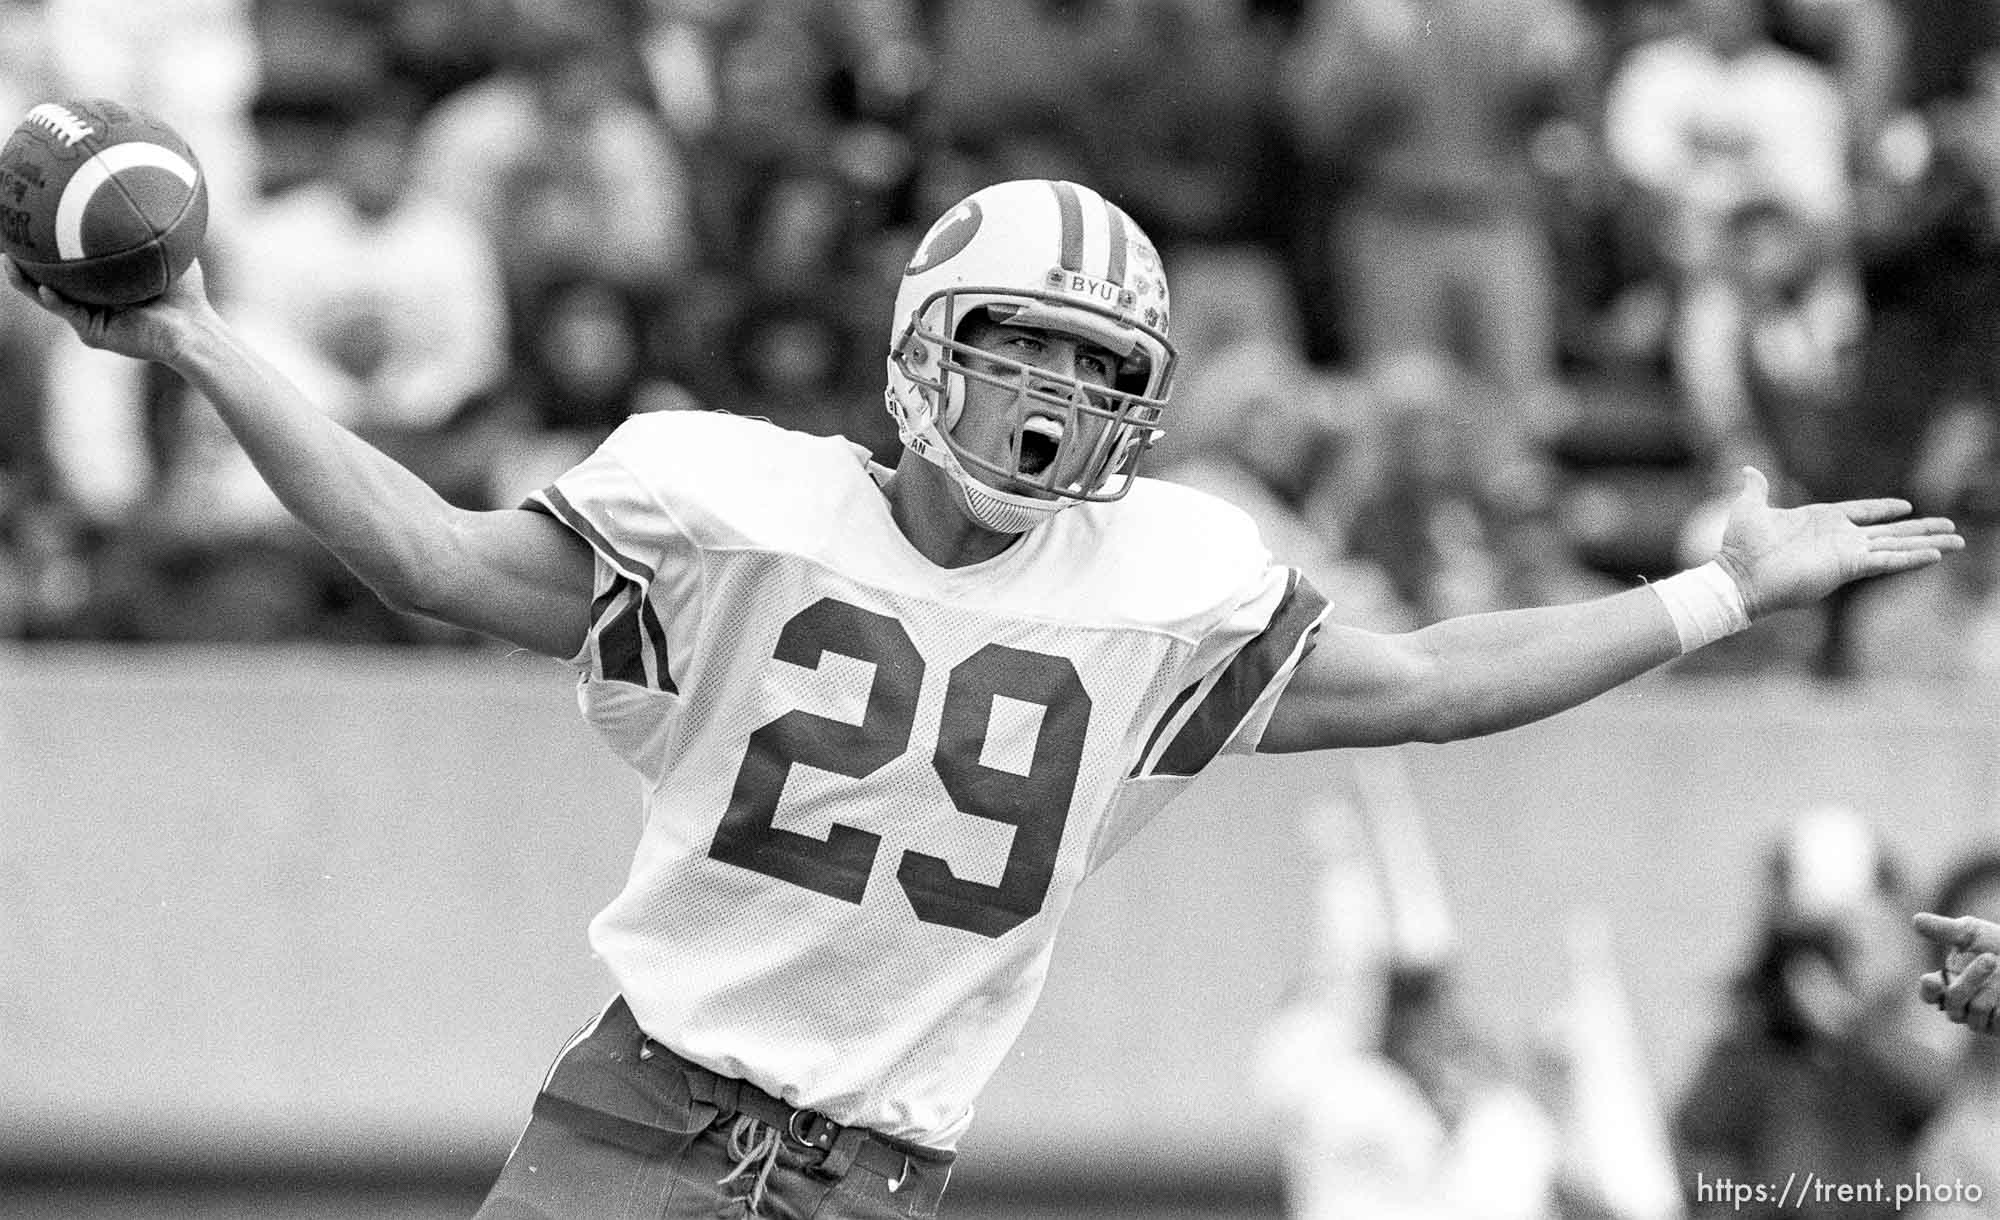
(999, 511)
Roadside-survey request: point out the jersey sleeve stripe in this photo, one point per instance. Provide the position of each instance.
(1233, 695)
(559, 506)
(1167, 719)
(656, 635)
(627, 630)
(617, 637)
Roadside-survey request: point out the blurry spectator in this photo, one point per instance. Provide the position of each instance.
(789, 80)
(804, 340)
(580, 357)
(1464, 511)
(1705, 115)
(1019, 79)
(433, 46)
(1865, 44)
(801, 364)
(863, 72)
(794, 115)
(1426, 1126)
(1767, 344)
(1422, 117)
(1713, 112)
(1390, 1103)
(582, 363)
(1228, 295)
(1198, 153)
(1928, 372)
(790, 333)
(1618, 1160)
(27, 66)
(314, 58)
(26, 489)
(192, 63)
(558, 153)
(383, 302)
(1825, 1068)
(1727, 146)
(1195, 153)
(1943, 42)
(678, 41)
(1961, 1146)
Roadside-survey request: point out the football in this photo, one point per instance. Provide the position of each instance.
(100, 201)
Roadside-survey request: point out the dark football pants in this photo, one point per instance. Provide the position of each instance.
(624, 1129)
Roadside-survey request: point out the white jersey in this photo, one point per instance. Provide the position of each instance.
(872, 784)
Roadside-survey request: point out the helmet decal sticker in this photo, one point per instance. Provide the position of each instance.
(952, 233)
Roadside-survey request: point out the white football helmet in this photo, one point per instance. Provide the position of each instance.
(1050, 255)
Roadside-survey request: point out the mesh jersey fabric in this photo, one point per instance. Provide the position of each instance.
(872, 785)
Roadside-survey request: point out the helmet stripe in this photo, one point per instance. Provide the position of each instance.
(1071, 208)
(1115, 266)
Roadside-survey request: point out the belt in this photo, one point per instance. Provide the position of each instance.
(889, 1158)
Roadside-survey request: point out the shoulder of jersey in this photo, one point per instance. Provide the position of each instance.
(1169, 535)
(1176, 516)
(735, 467)
(689, 443)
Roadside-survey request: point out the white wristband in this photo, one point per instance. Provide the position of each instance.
(1705, 604)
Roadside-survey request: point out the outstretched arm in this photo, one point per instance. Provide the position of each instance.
(513, 574)
(1482, 673)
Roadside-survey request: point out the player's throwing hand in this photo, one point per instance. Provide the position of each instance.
(152, 331)
(1967, 987)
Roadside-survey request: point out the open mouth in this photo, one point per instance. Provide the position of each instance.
(1041, 440)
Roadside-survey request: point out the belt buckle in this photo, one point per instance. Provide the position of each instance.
(818, 1130)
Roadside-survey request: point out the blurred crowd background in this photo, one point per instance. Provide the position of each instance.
(1482, 302)
(1395, 1098)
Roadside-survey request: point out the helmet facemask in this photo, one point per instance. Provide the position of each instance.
(1070, 441)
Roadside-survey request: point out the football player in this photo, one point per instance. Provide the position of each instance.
(887, 721)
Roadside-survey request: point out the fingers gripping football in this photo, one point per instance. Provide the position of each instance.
(143, 332)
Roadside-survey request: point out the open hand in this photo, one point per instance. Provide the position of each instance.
(153, 330)
(1782, 558)
(1967, 989)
